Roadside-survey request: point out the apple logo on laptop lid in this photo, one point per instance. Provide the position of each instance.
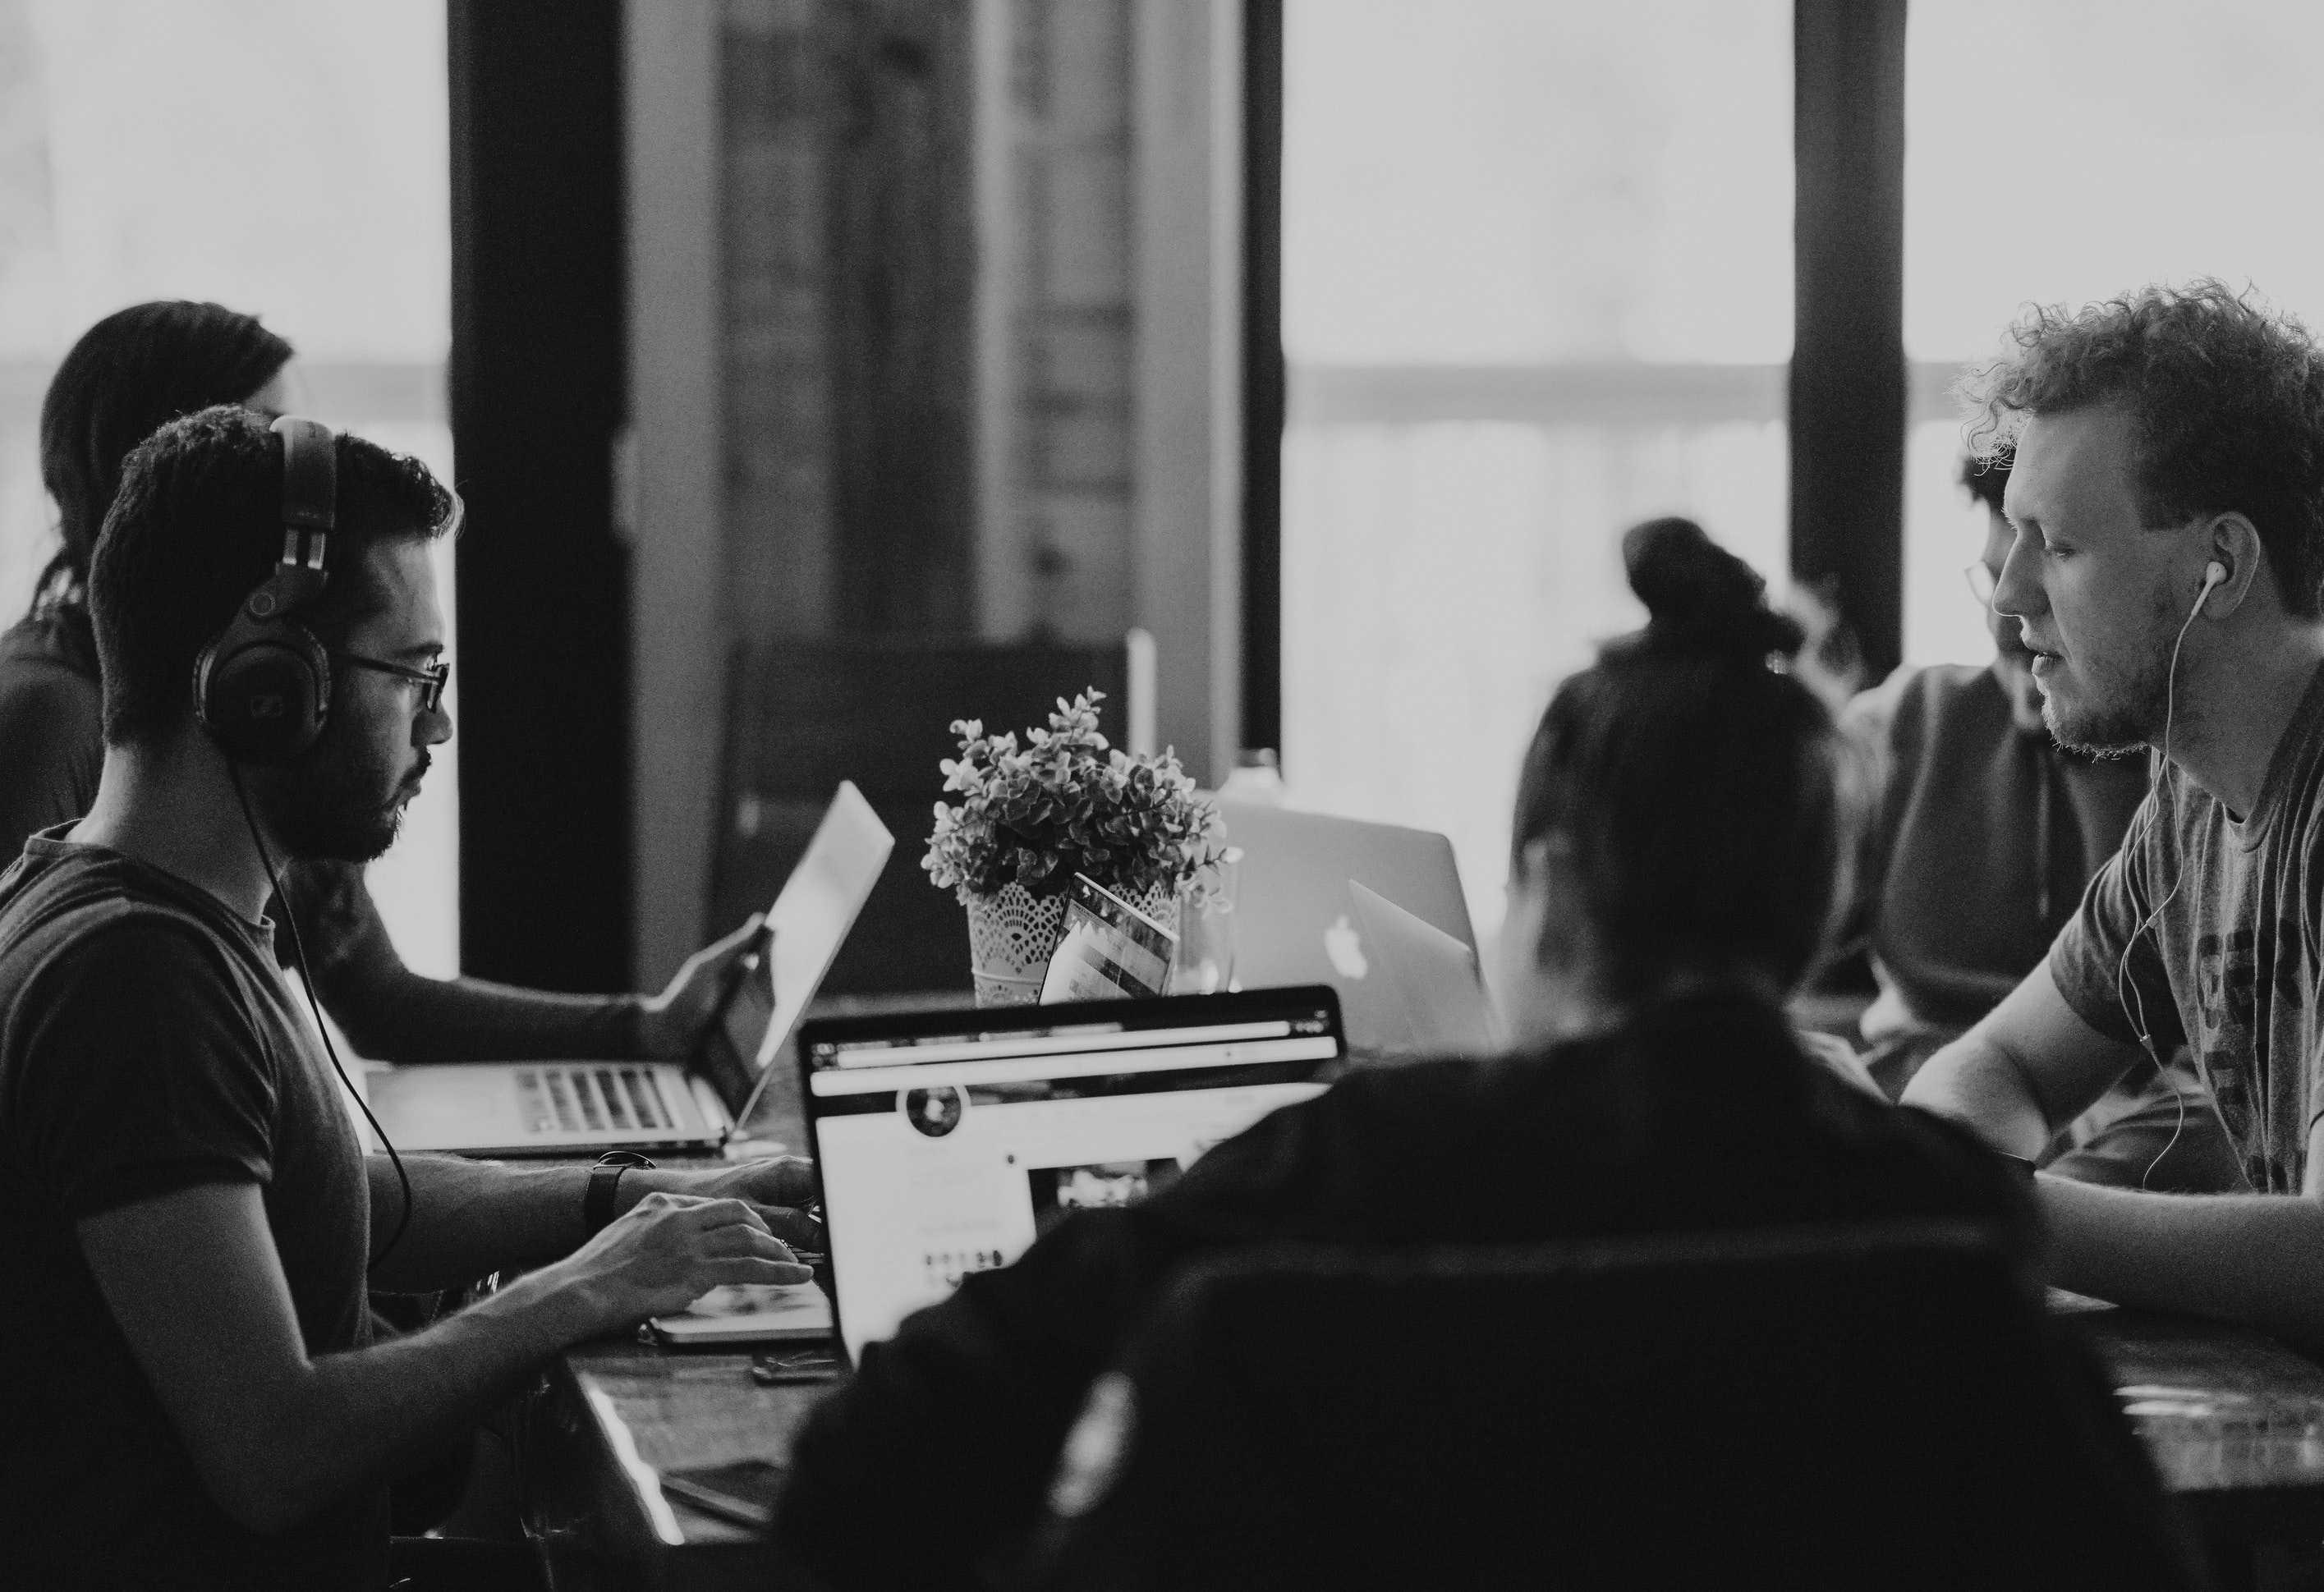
(1345, 947)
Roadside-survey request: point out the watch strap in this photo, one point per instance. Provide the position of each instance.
(604, 1177)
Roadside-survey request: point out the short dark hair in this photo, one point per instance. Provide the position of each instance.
(1698, 784)
(196, 526)
(129, 375)
(1985, 477)
(2227, 398)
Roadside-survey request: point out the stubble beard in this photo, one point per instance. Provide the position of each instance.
(2125, 718)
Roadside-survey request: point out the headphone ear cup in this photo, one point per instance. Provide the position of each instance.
(264, 698)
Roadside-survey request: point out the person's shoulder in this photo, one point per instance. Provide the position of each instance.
(1917, 699)
(92, 908)
(39, 669)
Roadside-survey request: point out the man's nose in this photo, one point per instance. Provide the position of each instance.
(433, 728)
(2015, 592)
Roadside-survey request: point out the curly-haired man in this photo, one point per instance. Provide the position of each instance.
(2168, 497)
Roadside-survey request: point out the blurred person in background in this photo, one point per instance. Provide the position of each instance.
(128, 375)
(1674, 854)
(1977, 835)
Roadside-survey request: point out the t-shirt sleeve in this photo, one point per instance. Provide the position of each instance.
(142, 1072)
(2087, 957)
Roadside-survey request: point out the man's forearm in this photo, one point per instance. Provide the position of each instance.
(470, 1219)
(1975, 1082)
(363, 1414)
(2254, 1259)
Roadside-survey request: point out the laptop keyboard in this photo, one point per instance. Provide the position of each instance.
(591, 1100)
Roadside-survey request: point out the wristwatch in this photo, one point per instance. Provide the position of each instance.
(597, 1201)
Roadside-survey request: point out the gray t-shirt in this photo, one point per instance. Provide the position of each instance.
(2237, 910)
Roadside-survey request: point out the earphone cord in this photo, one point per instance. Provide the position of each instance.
(2122, 968)
(306, 980)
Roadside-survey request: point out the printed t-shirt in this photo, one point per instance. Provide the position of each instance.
(149, 1043)
(2236, 912)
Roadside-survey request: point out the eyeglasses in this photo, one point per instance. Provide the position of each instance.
(431, 680)
(1981, 581)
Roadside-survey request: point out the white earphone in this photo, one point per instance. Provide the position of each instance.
(2213, 574)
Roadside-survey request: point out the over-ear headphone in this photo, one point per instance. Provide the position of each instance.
(2213, 574)
(262, 686)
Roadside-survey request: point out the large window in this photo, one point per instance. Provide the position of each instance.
(286, 157)
(1536, 286)
(2062, 151)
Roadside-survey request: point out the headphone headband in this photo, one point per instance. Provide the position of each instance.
(263, 687)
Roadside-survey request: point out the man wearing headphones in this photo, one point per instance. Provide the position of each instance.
(2168, 572)
(189, 1394)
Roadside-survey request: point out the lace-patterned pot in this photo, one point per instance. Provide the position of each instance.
(1011, 937)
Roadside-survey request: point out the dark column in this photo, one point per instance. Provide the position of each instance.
(1848, 387)
(902, 313)
(1263, 378)
(537, 317)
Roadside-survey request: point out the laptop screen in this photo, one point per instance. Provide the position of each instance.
(949, 1141)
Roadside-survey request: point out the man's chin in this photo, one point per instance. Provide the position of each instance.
(2092, 734)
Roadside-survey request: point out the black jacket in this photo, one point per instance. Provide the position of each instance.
(1703, 1115)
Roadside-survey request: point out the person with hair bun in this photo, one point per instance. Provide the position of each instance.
(1675, 854)
(127, 376)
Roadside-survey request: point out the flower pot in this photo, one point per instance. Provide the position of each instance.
(1011, 935)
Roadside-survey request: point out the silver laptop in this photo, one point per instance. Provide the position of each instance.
(948, 1141)
(1294, 921)
(1422, 995)
(568, 1107)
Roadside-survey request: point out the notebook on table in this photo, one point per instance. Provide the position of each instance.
(578, 1108)
(948, 1141)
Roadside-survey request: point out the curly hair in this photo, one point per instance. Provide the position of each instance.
(2226, 397)
(1985, 477)
(196, 527)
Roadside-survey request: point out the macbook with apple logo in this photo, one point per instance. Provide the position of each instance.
(1296, 922)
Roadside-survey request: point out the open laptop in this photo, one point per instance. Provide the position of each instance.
(568, 1107)
(1422, 995)
(1294, 921)
(948, 1141)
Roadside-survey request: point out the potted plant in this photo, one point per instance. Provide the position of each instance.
(1031, 818)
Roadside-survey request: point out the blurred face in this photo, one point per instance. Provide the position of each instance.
(2095, 592)
(1539, 963)
(2013, 661)
(344, 799)
(281, 395)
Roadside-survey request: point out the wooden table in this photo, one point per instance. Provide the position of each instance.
(614, 1417)
(2234, 1420)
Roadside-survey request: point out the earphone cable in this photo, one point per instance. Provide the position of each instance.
(306, 980)
(2122, 980)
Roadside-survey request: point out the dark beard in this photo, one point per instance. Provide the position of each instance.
(326, 805)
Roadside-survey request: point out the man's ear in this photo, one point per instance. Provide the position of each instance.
(2235, 547)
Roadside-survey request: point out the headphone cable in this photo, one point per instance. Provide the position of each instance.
(307, 982)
